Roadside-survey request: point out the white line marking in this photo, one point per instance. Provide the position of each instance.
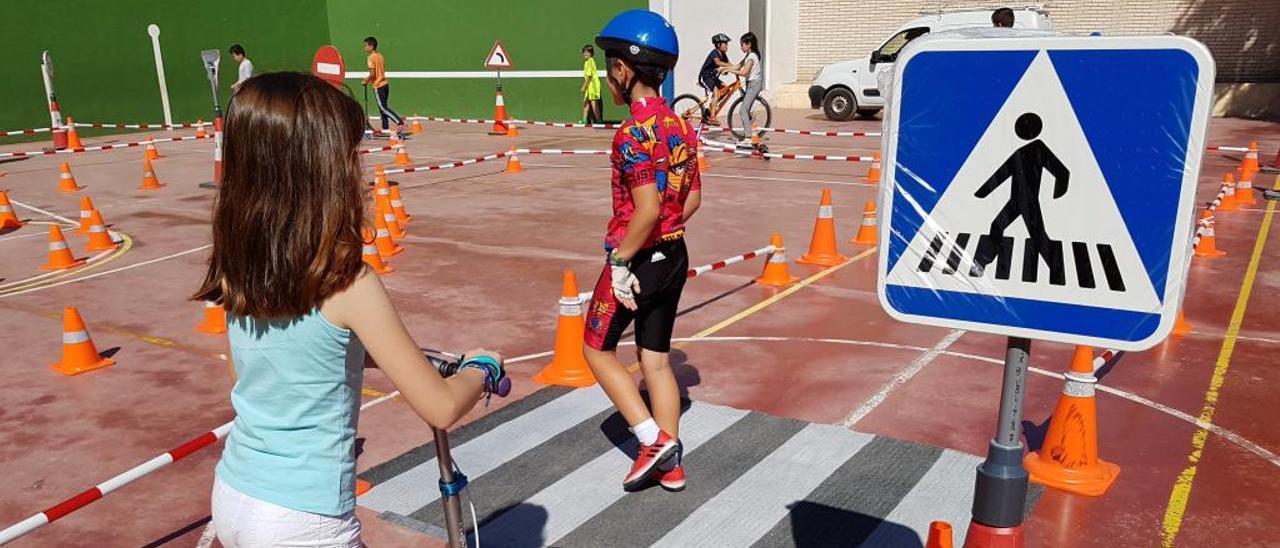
(112, 271)
(206, 537)
(901, 378)
(45, 213)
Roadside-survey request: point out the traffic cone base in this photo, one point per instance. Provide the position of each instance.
(8, 219)
(215, 320)
(867, 230)
(200, 131)
(416, 126)
(1181, 326)
(73, 138)
(512, 131)
(1208, 244)
(79, 355)
(402, 155)
(776, 272)
(149, 180)
(982, 536)
(513, 162)
(397, 207)
(873, 175)
(569, 365)
(1090, 481)
(822, 246)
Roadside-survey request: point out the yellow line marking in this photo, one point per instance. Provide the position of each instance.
(371, 392)
(126, 245)
(1181, 493)
(766, 303)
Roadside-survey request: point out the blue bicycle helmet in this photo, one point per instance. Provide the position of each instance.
(641, 37)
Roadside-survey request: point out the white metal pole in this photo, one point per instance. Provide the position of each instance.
(768, 39)
(154, 31)
(54, 122)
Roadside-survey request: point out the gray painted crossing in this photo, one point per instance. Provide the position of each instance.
(748, 508)
(582, 494)
(944, 493)
(854, 500)
(415, 488)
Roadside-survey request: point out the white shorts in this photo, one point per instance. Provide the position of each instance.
(242, 521)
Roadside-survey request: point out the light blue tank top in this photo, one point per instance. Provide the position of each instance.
(297, 398)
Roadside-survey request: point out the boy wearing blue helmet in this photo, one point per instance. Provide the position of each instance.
(656, 188)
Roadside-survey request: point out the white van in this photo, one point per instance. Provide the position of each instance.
(850, 87)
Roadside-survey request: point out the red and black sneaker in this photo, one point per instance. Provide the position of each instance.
(649, 458)
(673, 479)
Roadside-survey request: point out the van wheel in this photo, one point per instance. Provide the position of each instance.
(868, 113)
(839, 105)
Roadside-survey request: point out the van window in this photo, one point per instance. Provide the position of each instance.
(889, 51)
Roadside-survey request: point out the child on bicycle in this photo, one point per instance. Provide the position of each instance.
(709, 75)
(302, 311)
(656, 189)
(751, 68)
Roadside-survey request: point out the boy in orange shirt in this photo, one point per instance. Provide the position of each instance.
(378, 77)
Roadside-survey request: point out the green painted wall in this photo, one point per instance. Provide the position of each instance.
(456, 36)
(104, 66)
(105, 70)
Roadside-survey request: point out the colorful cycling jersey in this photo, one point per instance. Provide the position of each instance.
(654, 146)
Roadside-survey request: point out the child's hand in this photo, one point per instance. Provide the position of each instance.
(491, 363)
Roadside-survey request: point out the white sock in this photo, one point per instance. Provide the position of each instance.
(646, 432)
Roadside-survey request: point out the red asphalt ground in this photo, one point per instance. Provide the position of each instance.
(483, 267)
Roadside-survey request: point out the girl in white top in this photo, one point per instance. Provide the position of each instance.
(751, 68)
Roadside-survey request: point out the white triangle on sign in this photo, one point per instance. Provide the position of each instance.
(1097, 249)
(498, 58)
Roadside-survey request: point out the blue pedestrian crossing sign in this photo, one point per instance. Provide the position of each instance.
(1043, 187)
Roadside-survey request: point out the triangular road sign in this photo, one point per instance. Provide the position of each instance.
(498, 58)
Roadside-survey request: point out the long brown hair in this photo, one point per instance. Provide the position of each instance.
(288, 215)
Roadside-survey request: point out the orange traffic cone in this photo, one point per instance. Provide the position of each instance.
(402, 155)
(386, 246)
(775, 269)
(73, 139)
(1244, 188)
(78, 352)
(372, 257)
(200, 132)
(569, 366)
(940, 535)
(362, 487)
(149, 181)
(397, 207)
(1228, 201)
(1181, 326)
(867, 231)
(86, 215)
(1069, 458)
(1208, 238)
(873, 176)
(8, 219)
(383, 207)
(379, 180)
(67, 181)
(513, 162)
(822, 247)
(215, 319)
(99, 238)
(1248, 166)
(152, 153)
(512, 131)
(499, 115)
(702, 159)
(416, 126)
(60, 256)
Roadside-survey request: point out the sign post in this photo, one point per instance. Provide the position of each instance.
(211, 58)
(1051, 199)
(55, 115)
(498, 60)
(153, 30)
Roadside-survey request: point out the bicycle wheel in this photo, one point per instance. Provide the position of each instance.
(689, 107)
(761, 117)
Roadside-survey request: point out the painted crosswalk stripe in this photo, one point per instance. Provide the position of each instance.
(835, 514)
(944, 493)
(752, 504)
(596, 485)
(640, 519)
(415, 488)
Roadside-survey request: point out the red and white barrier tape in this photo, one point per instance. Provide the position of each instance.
(377, 149)
(813, 133)
(561, 151)
(31, 131)
(448, 165)
(101, 147)
(566, 124)
(700, 270)
(92, 494)
(1229, 149)
(725, 147)
(183, 125)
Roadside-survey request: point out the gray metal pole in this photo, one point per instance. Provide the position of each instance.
(1000, 492)
(452, 503)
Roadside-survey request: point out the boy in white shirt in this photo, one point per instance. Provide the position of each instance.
(246, 66)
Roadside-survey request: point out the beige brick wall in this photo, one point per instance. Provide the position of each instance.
(1244, 35)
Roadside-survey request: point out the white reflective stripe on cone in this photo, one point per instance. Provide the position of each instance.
(396, 203)
(96, 228)
(1079, 385)
(869, 220)
(5, 209)
(211, 304)
(75, 337)
(824, 212)
(64, 175)
(382, 233)
(84, 214)
(389, 217)
(499, 101)
(55, 246)
(368, 250)
(570, 306)
(384, 192)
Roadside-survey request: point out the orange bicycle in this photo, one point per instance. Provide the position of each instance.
(706, 111)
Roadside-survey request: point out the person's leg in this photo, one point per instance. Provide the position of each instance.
(384, 94)
(753, 89)
(380, 97)
(655, 323)
(606, 320)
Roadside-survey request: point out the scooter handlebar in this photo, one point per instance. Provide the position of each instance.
(448, 367)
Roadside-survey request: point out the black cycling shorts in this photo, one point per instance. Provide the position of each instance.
(661, 271)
